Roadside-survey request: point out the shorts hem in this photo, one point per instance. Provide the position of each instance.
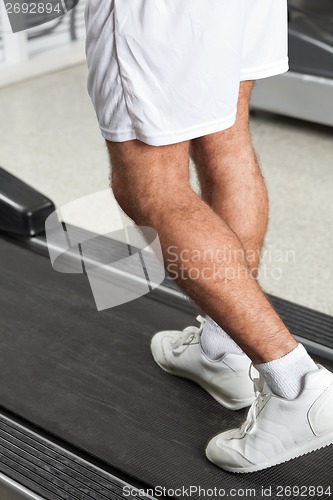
(265, 71)
(164, 139)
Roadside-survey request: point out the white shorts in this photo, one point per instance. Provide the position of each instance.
(166, 71)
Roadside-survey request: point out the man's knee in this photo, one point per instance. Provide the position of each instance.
(127, 178)
(144, 178)
(130, 201)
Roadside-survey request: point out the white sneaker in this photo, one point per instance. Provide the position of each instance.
(276, 429)
(227, 379)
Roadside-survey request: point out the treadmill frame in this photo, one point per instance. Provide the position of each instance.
(49, 450)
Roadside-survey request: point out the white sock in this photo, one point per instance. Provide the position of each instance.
(285, 376)
(215, 342)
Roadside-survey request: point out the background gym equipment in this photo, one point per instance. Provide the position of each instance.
(306, 91)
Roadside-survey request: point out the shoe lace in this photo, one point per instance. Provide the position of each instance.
(261, 398)
(188, 335)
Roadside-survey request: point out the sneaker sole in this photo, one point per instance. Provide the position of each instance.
(226, 402)
(303, 449)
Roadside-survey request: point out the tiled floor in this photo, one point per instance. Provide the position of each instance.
(50, 139)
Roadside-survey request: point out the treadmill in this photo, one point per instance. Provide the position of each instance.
(306, 91)
(85, 413)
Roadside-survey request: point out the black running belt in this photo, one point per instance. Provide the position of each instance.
(304, 322)
(88, 378)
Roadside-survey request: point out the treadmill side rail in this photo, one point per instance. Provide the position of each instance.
(11, 490)
(23, 210)
(45, 470)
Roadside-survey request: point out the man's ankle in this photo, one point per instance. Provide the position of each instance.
(215, 342)
(285, 375)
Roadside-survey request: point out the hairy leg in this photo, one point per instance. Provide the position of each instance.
(151, 185)
(231, 181)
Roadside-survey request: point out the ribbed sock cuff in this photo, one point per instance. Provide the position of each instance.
(285, 376)
(215, 342)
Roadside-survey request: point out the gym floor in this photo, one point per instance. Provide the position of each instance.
(50, 139)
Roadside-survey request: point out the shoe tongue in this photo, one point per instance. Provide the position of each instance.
(262, 386)
(267, 389)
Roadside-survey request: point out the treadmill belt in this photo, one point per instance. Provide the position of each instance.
(88, 378)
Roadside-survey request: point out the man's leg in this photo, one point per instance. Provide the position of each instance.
(231, 180)
(233, 186)
(151, 185)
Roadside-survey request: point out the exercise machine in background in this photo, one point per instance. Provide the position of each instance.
(306, 91)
